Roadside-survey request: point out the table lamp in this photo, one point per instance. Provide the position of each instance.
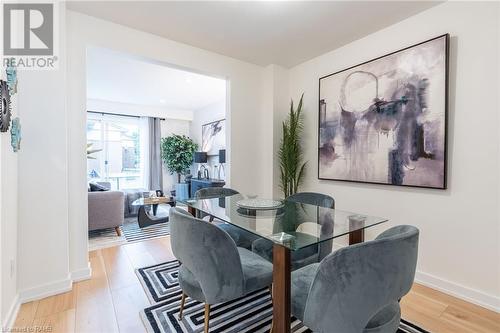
(222, 160)
(201, 157)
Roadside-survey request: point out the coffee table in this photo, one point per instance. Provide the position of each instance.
(148, 208)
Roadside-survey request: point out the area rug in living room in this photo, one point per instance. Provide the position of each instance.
(131, 232)
(252, 313)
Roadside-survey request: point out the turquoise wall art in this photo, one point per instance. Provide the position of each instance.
(11, 79)
(15, 134)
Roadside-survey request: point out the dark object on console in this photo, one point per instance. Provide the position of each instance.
(159, 193)
(197, 184)
(222, 156)
(200, 157)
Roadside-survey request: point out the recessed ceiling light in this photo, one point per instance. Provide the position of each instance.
(162, 101)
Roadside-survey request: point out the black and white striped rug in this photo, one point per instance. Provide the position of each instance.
(131, 232)
(252, 313)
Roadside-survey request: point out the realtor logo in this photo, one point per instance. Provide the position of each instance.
(28, 29)
(30, 35)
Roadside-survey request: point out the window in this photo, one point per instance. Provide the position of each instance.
(121, 160)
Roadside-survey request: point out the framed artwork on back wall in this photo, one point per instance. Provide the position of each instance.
(385, 121)
(213, 137)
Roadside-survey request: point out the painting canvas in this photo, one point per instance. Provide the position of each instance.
(213, 137)
(384, 121)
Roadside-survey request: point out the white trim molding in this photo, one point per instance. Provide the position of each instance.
(10, 318)
(45, 290)
(81, 274)
(474, 296)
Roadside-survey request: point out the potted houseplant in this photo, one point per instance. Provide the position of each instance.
(177, 153)
(290, 154)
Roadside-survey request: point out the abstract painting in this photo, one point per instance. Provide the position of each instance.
(384, 121)
(213, 137)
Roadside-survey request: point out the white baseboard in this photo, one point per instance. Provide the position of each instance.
(477, 297)
(46, 290)
(11, 316)
(81, 274)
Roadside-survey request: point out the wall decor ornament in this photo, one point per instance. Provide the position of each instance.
(5, 110)
(213, 137)
(384, 121)
(11, 79)
(15, 135)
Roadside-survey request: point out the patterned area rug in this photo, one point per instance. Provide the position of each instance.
(252, 313)
(131, 232)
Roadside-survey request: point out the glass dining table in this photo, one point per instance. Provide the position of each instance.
(290, 226)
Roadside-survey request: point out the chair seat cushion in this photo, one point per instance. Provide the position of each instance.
(386, 320)
(301, 282)
(258, 272)
(241, 237)
(300, 258)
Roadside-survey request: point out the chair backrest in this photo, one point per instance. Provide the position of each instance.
(317, 199)
(326, 228)
(355, 282)
(209, 253)
(214, 192)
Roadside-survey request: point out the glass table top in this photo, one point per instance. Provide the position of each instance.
(291, 224)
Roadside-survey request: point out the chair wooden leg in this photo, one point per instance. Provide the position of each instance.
(207, 316)
(118, 231)
(272, 320)
(183, 300)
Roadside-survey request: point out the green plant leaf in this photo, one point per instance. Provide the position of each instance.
(290, 154)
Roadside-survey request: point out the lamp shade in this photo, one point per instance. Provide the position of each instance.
(200, 157)
(222, 156)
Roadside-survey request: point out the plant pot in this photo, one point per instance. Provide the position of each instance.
(182, 191)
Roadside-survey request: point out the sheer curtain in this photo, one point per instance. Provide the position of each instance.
(155, 176)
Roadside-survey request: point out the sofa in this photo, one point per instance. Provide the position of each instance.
(106, 210)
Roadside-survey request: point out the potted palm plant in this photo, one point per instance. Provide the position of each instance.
(290, 154)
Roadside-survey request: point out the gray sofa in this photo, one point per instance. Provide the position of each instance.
(106, 210)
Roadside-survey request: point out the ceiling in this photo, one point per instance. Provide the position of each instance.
(261, 32)
(113, 76)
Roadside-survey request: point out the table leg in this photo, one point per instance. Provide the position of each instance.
(281, 289)
(357, 236)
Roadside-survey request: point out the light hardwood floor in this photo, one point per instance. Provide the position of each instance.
(111, 300)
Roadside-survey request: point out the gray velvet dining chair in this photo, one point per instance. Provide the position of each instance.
(242, 237)
(314, 253)
(213, 270)
(358, 288)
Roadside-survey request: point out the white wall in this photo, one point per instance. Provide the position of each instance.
(459, 242)
(244, 116)
(8, 222)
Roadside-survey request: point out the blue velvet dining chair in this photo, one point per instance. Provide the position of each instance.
(213, 270)
(314, 253)
(358, 288)
(242, 237)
